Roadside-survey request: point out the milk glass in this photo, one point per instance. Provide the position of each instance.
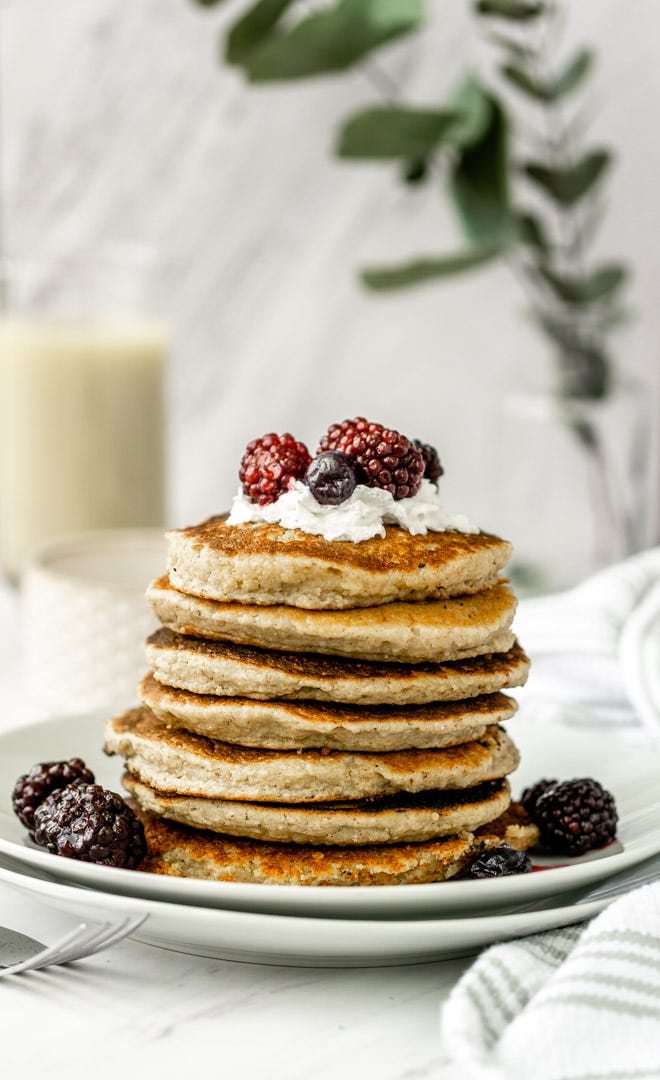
(81, 401)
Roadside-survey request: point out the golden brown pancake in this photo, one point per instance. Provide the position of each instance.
(390, 819)
(267, 564)
(180, 763)
(227, 669)
(411, 632)
(180, 851)
(300, 725)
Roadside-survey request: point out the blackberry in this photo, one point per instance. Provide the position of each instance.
(532, 794)
(433, 470)
(500, 861)
(270, 465)
(86, 822)
(575, 816)
(343, 433)
(332, 478)
(387, 459)
(31, 789)
(391, 462)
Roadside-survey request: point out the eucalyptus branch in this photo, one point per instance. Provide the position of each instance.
(563, 292)
(466, 142)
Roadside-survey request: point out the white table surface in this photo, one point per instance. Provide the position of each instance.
(143, 1011)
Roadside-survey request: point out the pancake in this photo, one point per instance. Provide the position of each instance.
(291, 725)
(179, 851)
(227, 669)
(391, 819)
(266, 564)
(180, 763)
(417, 631)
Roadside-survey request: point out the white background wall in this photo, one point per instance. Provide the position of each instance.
(118, 123)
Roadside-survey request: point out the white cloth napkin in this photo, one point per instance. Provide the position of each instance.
(596, 650)
(570, 1004)
(577, 1004)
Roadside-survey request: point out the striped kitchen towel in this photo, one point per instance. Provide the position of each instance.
(569, 1004)
(577, 1004)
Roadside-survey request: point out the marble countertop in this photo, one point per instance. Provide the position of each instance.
(154, 1012)
(162, 1013)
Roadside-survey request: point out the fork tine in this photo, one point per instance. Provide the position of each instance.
(85, 944)
(108, 934)
(49, 955)
(99, 937)
(70, 948)
(117, 932)
(80, 943)
(625, 881)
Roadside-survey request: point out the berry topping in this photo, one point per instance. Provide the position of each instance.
(575, 816)
(433, 470)
(332, 478)
(40, 782)
(386, 458)
(86, 822)
(531, 795)
(500, 861)
(270, 465)
(338, 436)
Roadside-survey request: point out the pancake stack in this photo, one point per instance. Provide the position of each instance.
(326, 712)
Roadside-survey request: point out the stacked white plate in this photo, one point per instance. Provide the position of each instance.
(344, 926)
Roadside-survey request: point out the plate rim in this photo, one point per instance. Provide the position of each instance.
(524, 920)
(248, 896)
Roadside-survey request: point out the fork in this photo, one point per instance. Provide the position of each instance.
(83, 941)
(644, 873)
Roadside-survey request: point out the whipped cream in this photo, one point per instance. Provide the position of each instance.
(364, 515)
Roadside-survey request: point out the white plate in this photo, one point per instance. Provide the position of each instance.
(295, 941)
(633, 774)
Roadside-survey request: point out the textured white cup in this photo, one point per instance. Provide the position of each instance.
(85, 618)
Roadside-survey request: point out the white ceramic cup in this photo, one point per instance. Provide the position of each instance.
(85, 618)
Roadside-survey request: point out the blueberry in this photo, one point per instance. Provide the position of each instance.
(499, 862)
(332, 478)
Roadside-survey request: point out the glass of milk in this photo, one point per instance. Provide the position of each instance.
(81, 400)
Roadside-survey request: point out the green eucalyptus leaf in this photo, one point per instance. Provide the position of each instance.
(473, 107)
(332, 39)
(522, 80)
(586, 290)
(516, 10)
(253, 29)
(529, 231)
(614, 317)
(479, 184)
(584, 431)
(516, 48)
(584, 365)
(584, 371)
(553, 90)
(559, 330)
(426, 269)
(415, 172)
(573, 74)
(207, 3)
(392, 132)
(567, 186)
